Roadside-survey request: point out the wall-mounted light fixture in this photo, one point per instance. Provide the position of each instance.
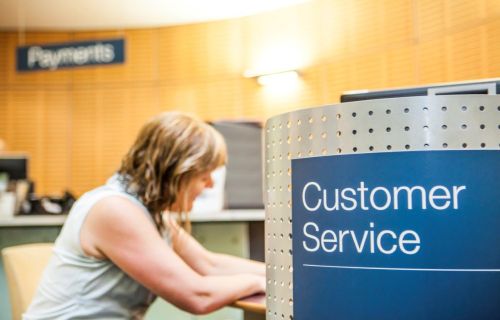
(281, 78)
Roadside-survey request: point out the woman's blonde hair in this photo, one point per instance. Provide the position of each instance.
(170, 149)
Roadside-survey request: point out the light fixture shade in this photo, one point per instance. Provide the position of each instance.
(279, 78)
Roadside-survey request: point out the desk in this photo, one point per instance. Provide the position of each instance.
(254, 307)
(231, 215)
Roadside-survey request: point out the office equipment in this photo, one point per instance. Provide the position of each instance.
(243, 188)
(16, 166)
(484, 86)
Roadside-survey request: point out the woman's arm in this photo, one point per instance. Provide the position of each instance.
(210, 263)
(227, 264)
(119, 230)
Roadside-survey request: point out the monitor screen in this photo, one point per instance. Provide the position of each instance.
(243, 185)
(15, 166)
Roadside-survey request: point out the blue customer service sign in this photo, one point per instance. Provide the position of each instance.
(69, 55)
(403, 235)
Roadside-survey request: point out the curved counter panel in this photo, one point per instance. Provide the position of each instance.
(369, 209)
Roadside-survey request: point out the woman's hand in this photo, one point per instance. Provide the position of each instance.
(206, 262)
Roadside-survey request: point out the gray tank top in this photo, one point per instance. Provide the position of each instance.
(76, 286)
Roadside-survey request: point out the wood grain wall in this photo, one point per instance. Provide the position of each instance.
(76, 124)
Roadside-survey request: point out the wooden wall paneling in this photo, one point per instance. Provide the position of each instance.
(197, 53)
(465, 55)
(248, 86)
(257, 101)
(142, 104)
(84, 77)
(256, 34)
(179, 97)
(492, 8)
(224, 48)
(7, 115)
(431, 61)
(252, 105)
(112, 75)
(141, 63)
(182, 54)
(332, 30)
(366, 26)
(114, 136)
(3, 114)
(10, 56)
(369, 71)
(59, 79)
(310, 94)
(221, 97)
(84, 141)
(4, 79)
(4, 59)
(57, 126)
(304, 35)
(430, 18)
(401, 65)
(173, 55)
(492, 50)
(208, 94)
(398, 22)
(273, 42)
(127, 109)
(27, 134)
(339, 78)
(464, 13)
(333, 44)
(315, 77)
(313, 81)
(99, 134)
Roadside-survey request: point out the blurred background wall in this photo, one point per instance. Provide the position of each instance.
(76, 124)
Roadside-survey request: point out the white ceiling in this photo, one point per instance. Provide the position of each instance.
(116, 14)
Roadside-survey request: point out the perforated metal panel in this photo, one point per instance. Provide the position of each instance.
(387, 125)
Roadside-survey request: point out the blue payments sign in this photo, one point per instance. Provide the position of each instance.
(69, 55)
(403, 235)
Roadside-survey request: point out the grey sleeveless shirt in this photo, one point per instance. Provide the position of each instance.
(76, 286)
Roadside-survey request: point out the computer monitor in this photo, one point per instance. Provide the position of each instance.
(484, 86)
(243, 187)
(15, 166)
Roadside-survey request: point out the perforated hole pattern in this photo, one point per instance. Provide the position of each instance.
(386, 125)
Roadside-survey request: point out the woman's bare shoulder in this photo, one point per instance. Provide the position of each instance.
(111, 219)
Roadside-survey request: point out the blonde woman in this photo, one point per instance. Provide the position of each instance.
(120, 246)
